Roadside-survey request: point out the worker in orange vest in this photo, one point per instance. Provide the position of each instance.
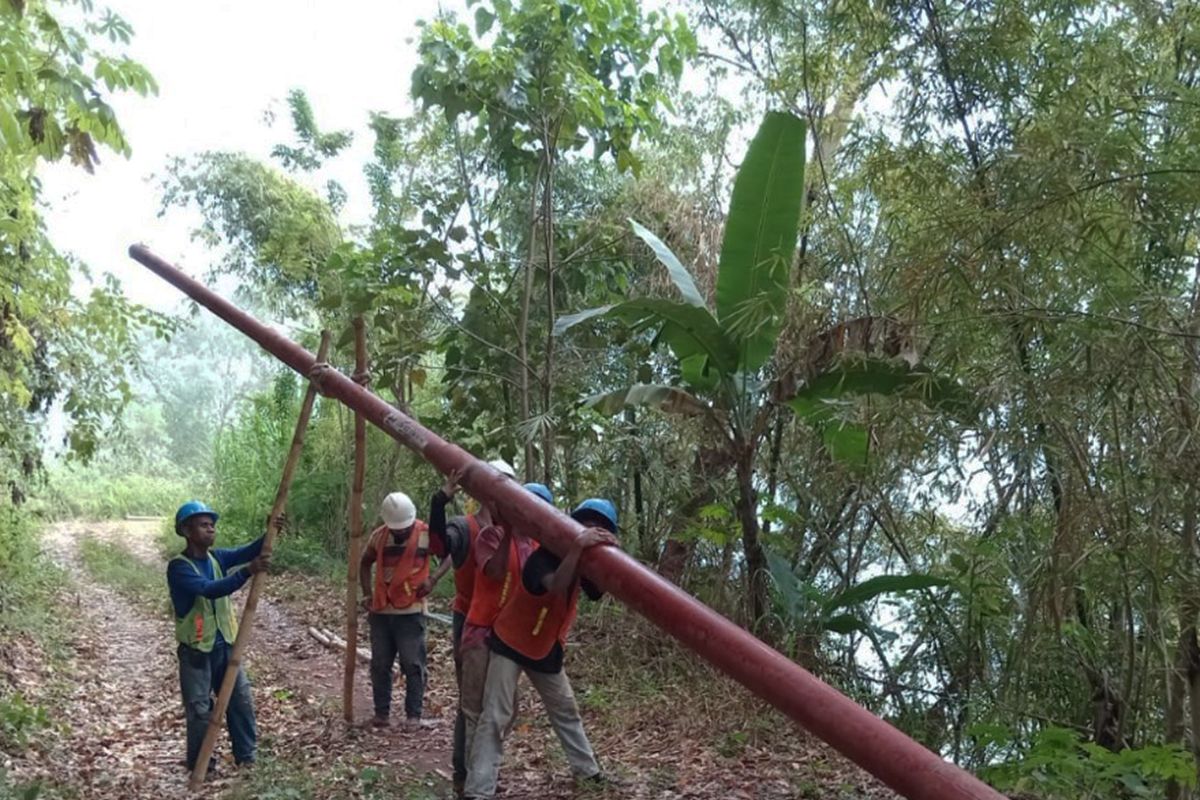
(529, 635)
(393, 594)
(452, 542)
(500, 552)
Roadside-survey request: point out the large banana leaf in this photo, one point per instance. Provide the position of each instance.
(654, 395)
(760, 238)
(883, 584)
(882, 376)
(690, 331)
(848, 443)
(679, 274)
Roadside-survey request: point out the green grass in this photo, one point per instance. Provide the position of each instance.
(29, 791)
(93, 493)
(117, 567)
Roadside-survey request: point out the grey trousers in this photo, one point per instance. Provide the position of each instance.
(400, 635)
(472, 683)
(486, 746)
(200, 677)
(458, 760)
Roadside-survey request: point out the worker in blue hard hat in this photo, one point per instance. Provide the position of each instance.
(529, 635)
(453, 539)
(200, 580)
(499, 553)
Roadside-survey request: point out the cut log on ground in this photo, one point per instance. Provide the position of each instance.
(334, 642)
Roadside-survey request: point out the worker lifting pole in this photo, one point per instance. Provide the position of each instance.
(246, 628)
(873, 744)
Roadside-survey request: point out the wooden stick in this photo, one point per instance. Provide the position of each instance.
(354, 543)
(246, 629)
(336, 643)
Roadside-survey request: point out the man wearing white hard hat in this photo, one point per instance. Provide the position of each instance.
(394, 595)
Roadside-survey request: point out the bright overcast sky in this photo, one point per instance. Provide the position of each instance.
(220, 65)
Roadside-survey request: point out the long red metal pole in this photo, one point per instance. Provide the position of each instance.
(873, 744)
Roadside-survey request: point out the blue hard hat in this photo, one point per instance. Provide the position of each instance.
(190, 509)
(541, 490)
(598, 505)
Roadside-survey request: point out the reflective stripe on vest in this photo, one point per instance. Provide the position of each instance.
(398, 589)
(198, 629)
(490, 595)
(531, 624)
(464, 576)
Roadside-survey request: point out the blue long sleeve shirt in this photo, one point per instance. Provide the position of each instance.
(185, 584)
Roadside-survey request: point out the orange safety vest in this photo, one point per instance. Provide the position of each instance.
(489, 595)
(532, 623)
(464, 576)
(398, 576)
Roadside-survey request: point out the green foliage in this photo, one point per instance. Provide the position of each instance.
(20, 722)
(315, 146)
(98, 492)
(817, 400)
(808, 609)
(56, 347)
(759, 245)
(675, 268)
(690, 331)
(664, 398)
(755, 262)
(28, 580)
(1058, 765)
(280, 233)
(554, 74)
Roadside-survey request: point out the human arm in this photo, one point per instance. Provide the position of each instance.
(231, 557)
(427, 585)
(449, 537)
(364, 566)
(186, 584)
(492, 547)
(562, 580)
(437, 510)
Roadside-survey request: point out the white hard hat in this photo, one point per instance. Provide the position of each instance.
(398, 511)
(503, 467)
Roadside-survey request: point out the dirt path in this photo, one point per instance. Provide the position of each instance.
(126, 727)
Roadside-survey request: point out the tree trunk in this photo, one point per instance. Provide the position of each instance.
(523, 326)
(354, 538)
(747, 511)
(548, 361)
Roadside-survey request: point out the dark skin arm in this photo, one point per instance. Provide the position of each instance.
(364, 574)
(563, 579)
(437, 518)
(496, 566)
(427, 585)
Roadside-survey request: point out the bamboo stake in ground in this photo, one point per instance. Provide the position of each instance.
(354, 543)
(246, 629)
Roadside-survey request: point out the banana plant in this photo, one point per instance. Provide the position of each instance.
(722, 354)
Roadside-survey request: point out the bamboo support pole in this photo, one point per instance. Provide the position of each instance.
(246, 628)
(354, 542)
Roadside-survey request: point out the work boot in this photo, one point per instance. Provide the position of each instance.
(379, 721)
